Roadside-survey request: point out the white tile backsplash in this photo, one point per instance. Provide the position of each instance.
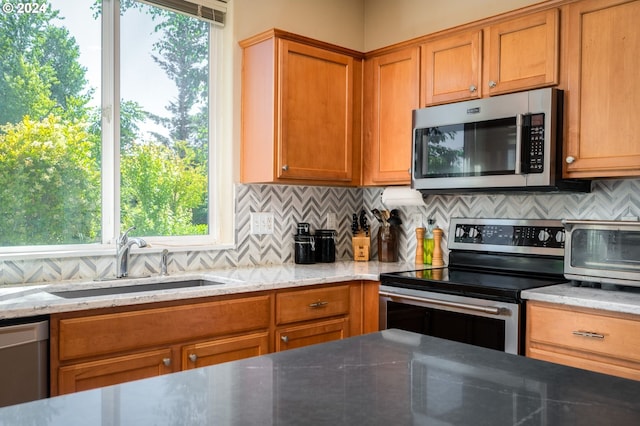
(609, 199)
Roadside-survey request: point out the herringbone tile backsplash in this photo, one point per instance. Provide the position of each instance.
(609, 199)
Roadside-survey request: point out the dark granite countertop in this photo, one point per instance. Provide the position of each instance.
(387, 378)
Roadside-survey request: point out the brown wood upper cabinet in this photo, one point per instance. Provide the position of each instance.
(602, 65)
(391, 92)
(301, 107)
(452, 68)
(509, 56)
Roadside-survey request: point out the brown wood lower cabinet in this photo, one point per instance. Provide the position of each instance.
(107, 346)
(102, 347)
(224, 350)
(311, 334)
(110, 371)
(602, 341)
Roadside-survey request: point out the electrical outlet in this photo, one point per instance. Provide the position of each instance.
(261, 223)
(332, 221)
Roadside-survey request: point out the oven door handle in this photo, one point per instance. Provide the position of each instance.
(484, 309)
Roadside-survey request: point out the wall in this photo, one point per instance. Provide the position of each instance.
(389, 22)
(334, 21)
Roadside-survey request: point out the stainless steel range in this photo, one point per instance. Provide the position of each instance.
(476, 299)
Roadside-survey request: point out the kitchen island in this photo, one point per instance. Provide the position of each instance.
(386, 378)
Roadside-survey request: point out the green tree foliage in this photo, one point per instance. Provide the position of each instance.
(40, 72)
(164, 208)
(51, 144)
(49, 184)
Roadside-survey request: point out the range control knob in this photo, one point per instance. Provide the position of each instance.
(473, 232)
(560, 236)
(459, 231)
(543, 235)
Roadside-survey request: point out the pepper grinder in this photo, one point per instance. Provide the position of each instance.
(419, 245)
(437, 250)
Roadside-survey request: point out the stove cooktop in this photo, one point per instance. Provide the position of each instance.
(470, 283)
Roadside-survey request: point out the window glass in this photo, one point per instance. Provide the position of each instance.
(164, 126)
(49, 127)
(74, 169)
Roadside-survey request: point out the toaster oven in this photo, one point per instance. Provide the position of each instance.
(606, 252)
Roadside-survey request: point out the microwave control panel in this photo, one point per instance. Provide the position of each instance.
(533, 143)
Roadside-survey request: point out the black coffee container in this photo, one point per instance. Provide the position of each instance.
(325, 245)
(305, 249)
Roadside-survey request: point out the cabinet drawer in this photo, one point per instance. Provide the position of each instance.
(293, 306)
(589, 332)
(112, 333)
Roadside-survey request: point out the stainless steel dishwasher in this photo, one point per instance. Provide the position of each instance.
(24, 360)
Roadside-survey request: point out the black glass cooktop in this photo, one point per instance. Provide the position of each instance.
(470, 283)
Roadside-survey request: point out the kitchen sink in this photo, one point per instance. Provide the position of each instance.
(135, 288)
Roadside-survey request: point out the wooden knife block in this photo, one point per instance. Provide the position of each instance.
(361, 247)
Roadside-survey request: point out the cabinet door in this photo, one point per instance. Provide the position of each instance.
(224, 350)
(523, 53)
(310, 334)
(315, 138)
(114, 370)
(451, 68)
(391, 93)
(603, 89)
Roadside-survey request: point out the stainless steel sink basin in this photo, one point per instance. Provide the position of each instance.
(136, 288)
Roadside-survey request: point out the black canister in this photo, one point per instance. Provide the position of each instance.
(305, 249)
(325, 245)
(303, 228)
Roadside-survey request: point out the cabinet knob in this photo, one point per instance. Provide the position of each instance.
(166, 361)
(570, 159)
(193, 357)
(285, 339)
(473, 88)
(492, 84)
(409, 171)
(285, 167)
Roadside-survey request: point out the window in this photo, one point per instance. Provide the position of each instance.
(109, 120)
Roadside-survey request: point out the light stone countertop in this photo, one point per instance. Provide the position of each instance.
(626, 300)
(34, 300)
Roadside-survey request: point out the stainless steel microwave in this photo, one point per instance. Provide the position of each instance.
(602, 252)
(503, 143)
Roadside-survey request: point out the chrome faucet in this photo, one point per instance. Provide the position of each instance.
(123, 248)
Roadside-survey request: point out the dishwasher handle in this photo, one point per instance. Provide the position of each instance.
(20, 334)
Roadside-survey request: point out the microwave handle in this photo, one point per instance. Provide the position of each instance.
(519, 120)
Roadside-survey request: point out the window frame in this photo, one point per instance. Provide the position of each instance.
(220, 171)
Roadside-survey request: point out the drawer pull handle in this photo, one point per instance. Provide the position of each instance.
(316, 305)
(285, 339)
(588, 334)
(193, 357)
(166, 361)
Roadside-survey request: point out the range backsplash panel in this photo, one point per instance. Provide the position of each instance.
(609, 199)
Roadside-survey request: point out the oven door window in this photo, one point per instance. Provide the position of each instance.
(471, 149)
(465, 328)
